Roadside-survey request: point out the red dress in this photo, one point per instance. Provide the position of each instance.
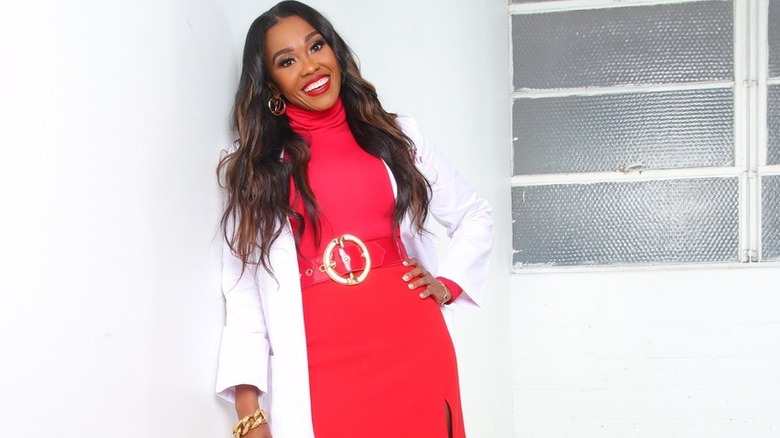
(381, 361)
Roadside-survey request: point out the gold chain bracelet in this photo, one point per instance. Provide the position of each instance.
(244, 425)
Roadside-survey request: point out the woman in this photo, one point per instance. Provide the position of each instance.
(334, 318)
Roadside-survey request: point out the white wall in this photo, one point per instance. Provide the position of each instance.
(111, 118)
(647, 353)
(113, 114)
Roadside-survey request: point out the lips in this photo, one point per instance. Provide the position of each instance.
(317, 86)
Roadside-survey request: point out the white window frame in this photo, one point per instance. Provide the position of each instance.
(750, 91)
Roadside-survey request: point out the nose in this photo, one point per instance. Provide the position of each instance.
(309, 66)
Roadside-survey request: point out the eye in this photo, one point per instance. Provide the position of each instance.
(286, 62)
(318, 45)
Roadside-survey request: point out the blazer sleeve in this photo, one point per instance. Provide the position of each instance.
(245, 349)
(465, 215)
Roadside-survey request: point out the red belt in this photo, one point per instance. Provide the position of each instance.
(347, 256)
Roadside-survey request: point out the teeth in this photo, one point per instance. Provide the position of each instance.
(315, 85)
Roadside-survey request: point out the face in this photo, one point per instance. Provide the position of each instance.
(302, 65)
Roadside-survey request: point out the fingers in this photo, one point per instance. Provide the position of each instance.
(437, 291)
(418, 277)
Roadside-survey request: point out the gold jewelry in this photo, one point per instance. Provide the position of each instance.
(249, 422)
(277, 106)
(447, 294)
(328, 263)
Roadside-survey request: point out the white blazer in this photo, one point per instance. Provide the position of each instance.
(263, 341)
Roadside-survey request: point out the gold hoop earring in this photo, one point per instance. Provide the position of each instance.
(277, 106)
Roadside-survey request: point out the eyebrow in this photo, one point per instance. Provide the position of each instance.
(306, 39)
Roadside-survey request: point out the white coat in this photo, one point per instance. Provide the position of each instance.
(263, 341)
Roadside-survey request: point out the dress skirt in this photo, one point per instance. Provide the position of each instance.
(381, 360)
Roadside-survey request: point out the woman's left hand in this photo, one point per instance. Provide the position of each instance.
(418, 277)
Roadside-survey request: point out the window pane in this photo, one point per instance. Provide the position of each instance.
(625, 45)
(666, 221)
(774, 38)
(773, 125)
(604, 133)
(770, 217)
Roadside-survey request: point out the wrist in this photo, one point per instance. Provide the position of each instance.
(454, 288)
(247, 400)
(249, 423)
(447, 294)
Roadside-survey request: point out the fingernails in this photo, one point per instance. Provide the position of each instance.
(422, 295)
(411, 286)
(405, 263)
(405, 278)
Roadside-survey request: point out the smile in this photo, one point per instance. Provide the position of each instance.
(316, 84)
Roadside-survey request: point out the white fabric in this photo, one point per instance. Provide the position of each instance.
(264, 342)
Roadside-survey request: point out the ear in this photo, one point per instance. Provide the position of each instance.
(274, 89)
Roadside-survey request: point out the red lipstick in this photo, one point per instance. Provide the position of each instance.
(320, 88)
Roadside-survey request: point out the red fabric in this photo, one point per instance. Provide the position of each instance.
(381, 361)
(348, 183)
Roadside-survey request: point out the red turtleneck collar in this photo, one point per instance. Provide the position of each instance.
(302, 121)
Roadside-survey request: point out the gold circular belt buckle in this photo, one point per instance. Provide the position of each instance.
(328, 264)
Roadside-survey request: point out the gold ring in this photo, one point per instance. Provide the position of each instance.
(328, 264)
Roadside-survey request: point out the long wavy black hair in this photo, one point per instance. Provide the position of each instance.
(255, 177)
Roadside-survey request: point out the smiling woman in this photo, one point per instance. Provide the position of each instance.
(332, 286)
(302, 66)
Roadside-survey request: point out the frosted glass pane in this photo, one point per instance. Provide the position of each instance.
(770, 220)
(604, 133)
(773, 125)
(626, 45)
(774, 38)
(670, 221)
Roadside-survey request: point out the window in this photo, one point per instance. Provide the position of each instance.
(645, 132)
